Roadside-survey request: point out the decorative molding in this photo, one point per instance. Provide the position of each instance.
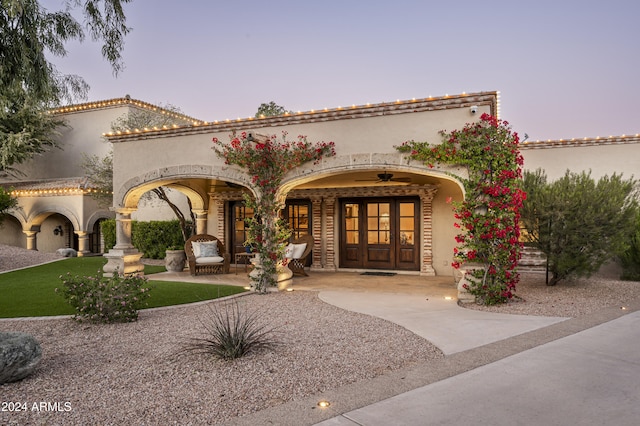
(585, 142)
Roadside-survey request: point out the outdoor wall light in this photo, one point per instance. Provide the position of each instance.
(481, 210)
(324, 404)
(57, 230)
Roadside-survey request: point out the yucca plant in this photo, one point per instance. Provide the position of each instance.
(231, 332)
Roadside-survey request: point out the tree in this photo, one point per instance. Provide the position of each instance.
(30, 83)
(26, 129)
(6, 202)
(270, 110)
(143, 118)
(100, 170)
(576, 222)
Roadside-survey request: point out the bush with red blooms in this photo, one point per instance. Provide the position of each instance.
(267, 162)
(489, 215)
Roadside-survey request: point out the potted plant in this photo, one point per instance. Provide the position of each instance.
(175, 259)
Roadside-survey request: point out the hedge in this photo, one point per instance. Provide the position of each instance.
(151, 238)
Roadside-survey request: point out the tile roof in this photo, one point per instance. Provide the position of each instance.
(116, 102)
(44, 187)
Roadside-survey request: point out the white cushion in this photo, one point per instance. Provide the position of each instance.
(211, 259)
(288, 251)
(298, 250)
(205, 248)
(209, 249)
(195, 246)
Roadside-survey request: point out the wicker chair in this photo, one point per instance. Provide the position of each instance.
(297, 265)
(198, 267)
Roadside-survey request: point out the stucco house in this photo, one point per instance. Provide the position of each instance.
(368, 208)
(56, 209)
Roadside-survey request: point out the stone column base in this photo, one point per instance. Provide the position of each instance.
(123, 262)
(463, 295)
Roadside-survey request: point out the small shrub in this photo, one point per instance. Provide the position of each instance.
(152, 238)
(101, 299)
(231, 333)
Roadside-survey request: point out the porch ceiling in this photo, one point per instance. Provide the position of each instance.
(369, 178)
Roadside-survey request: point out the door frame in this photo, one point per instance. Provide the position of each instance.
(404, 257)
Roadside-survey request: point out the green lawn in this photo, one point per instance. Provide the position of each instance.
(31, 292)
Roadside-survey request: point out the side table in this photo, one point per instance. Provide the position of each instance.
(245, 255)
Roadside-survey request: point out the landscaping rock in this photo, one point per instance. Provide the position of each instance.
(67, 252)
(20, 353)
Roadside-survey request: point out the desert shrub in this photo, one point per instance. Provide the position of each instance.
(101, 299)
(630, 257)
(230, 333)
(577, 222)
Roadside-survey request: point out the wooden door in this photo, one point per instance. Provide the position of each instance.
(380, 234)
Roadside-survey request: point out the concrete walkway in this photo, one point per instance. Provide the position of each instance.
(427, 306)
(441, 321)
(534, 370)
(589, 378)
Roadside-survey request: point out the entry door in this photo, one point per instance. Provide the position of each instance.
(380, 234)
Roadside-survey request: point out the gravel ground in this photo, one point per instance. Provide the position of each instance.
(572, 298)
(136, 372)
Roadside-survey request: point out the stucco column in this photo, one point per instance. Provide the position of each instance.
(330, 232)
(317, 231)
(32, 240)
(123, 258)
(201, 221)
(83, 243)
(426, 199)
(123, 228)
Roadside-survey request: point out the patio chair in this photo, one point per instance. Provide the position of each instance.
(297, 261)
(206, 255)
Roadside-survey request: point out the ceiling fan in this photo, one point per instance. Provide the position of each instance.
(386, 177)
(227, 185)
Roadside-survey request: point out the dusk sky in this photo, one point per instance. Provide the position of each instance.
(564, 69)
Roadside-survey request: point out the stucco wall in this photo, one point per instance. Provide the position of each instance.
(145, 158)
(83, 135)
(11, 232)
(600, 159)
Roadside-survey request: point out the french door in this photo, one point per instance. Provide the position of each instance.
(380, 233)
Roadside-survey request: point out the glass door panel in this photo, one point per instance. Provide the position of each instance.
(298, 218)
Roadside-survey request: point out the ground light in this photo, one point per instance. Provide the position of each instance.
(324, 404)
(448, 298)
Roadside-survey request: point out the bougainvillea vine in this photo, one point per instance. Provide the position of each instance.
(267, 161)
(488, 217)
